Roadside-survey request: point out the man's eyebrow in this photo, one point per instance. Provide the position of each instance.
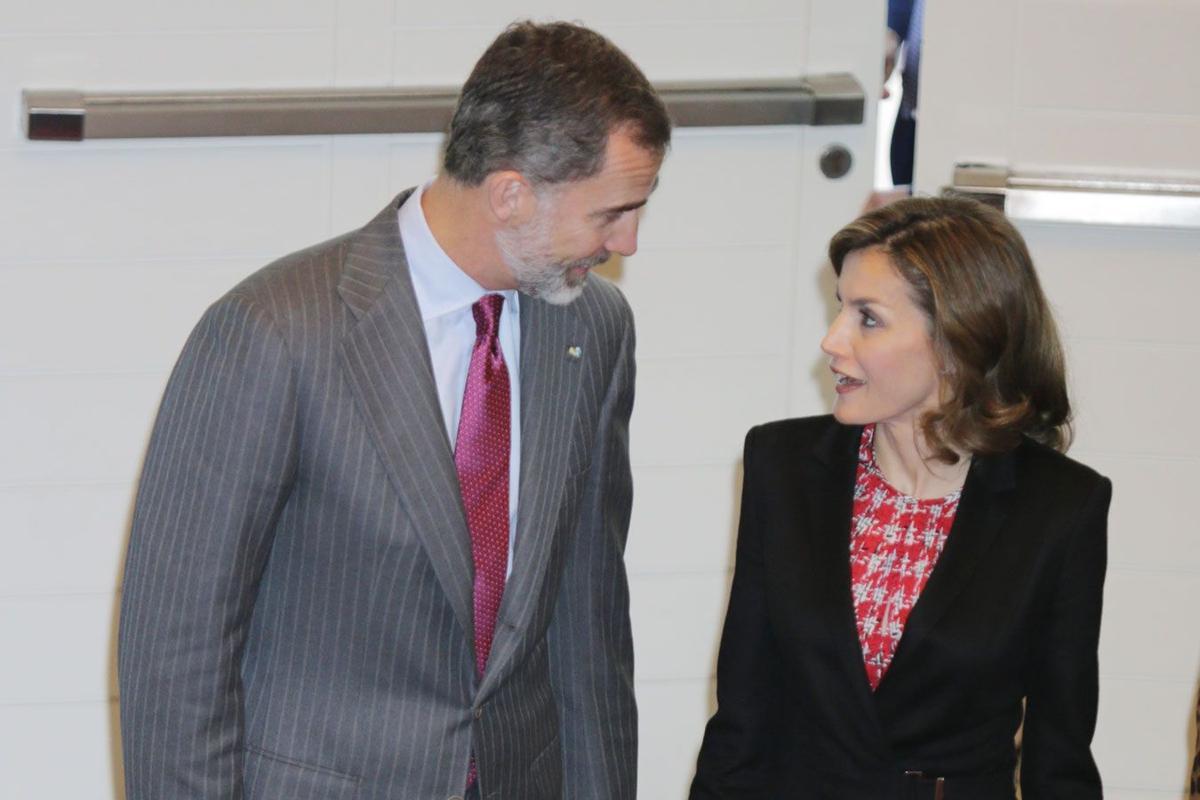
(628, 206)
(615, 210)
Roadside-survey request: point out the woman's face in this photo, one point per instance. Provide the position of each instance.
(879, 346)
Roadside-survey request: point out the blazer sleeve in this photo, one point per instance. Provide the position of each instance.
(737, 756)
(215, 477)
(589, 638)
(1063, 687)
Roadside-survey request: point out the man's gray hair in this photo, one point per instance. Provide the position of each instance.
(543, 99)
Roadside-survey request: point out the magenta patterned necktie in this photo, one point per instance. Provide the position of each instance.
(481, 457)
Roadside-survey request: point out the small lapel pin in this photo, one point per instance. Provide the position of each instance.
(575, 352)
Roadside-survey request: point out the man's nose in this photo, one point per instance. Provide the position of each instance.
(623, 239)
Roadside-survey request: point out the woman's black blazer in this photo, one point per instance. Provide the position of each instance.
(1011, 612)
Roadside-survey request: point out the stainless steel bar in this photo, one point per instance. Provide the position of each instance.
(74, 116)
(1099, 200)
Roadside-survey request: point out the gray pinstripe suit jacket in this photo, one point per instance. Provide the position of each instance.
(296, 616)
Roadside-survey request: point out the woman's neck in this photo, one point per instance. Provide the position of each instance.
(904, 459)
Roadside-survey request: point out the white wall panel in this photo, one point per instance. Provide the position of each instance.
(674, 617)
(666, 49)
(361, 178)
(63, 539)
(1107, 143)
(731, 47)
(76, 428)
(363, 35)
(117, 200)
(58, 649)
(115, 316)
(697, 411)
(1143, 613)
(1134, 397)
(496, 15)
(746, 283)
(683, 517)
(1119, 284)
(1151, 495)
(60, 751)
(1144, 737)
(726, 187)
(148, 16)
(1057, 71)
(671, 716)
(412, 160)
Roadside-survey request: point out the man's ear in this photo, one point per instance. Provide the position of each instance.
(511, 199)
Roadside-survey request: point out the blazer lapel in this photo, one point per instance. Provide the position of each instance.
(831, 508)
(387, 365)
(982, 510)
(550, 385)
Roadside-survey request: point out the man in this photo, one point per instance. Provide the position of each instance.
(377, 548)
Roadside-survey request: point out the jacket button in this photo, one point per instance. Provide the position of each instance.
(454, 797)
(479, 713)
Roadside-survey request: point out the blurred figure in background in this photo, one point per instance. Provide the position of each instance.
(1196, 761)
(905, 21)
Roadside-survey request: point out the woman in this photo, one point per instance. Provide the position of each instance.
(939, 477)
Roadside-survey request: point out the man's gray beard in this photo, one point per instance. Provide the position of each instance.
(526, 252)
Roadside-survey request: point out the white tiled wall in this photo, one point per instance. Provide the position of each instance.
(110, 250)
(1105, 87)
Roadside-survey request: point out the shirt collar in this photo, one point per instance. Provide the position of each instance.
(440, 285)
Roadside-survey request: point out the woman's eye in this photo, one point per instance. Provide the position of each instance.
(868, 321)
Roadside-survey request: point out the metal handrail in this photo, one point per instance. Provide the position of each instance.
(59, 115)
(1100, 200)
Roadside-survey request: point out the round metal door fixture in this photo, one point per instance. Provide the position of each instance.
(836, 161)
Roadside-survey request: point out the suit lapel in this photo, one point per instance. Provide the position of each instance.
(550, 385)
(980, 517)
(387, 365)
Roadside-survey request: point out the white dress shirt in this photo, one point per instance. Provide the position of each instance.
(445, 295)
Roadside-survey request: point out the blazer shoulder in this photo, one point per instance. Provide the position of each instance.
(808, 444)
(794, 432)
(1040, 465)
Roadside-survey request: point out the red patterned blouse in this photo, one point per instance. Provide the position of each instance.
(895, 541)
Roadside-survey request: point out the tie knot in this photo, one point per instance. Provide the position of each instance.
(487, 315)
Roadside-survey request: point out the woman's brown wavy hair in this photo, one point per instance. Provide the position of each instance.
(968, 269)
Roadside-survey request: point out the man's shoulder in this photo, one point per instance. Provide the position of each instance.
(604, 304)
(298, 277)
(312, 274)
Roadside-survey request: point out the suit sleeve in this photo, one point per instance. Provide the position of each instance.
(1060, 714)
(589, 638)
(215, 477)
(737, 757)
